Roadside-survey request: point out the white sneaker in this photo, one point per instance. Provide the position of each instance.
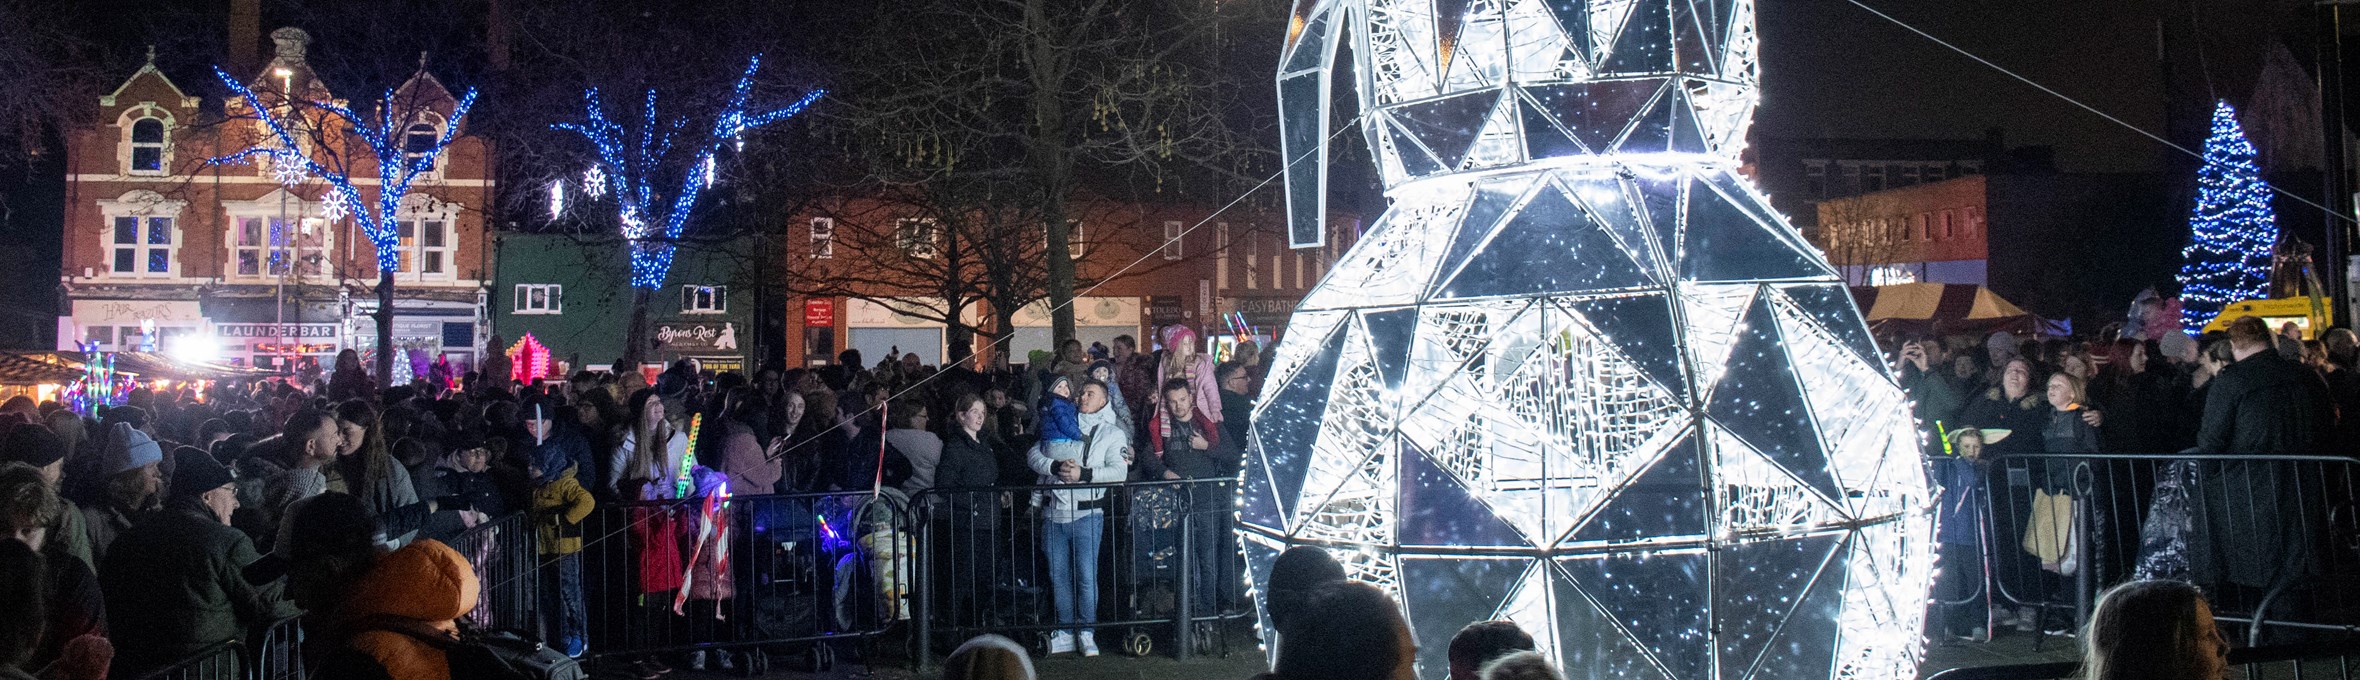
(1089, 644)
(1061, 642)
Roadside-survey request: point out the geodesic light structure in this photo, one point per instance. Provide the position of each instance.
(1580, 376)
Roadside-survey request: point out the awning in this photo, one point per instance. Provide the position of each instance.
(17, 369)
(152, 366)
(1942, 308)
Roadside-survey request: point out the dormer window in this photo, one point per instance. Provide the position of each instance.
(147, 145)
(418, 141)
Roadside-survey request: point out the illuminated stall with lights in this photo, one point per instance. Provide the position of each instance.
(1581, 376)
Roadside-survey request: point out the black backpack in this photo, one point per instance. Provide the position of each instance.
(492, 654)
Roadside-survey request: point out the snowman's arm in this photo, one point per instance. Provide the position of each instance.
(1304, 82)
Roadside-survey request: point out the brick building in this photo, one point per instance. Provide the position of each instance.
(1154, 265)
(2061, 245)
(165, 251)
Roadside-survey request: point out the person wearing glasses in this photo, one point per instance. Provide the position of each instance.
(1237, 400)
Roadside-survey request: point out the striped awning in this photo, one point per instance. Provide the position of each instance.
(1933, 301)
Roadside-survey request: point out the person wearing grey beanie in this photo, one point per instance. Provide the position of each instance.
(130, 462)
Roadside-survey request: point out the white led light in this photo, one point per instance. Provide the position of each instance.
(1580, 375)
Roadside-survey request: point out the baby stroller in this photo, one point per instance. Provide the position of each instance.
(1152, 576)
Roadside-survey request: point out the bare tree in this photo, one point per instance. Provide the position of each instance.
(1004, 121)
(1858, 233)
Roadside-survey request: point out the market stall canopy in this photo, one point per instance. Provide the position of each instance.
(153, 366)
(1943, 309)
(18, 369)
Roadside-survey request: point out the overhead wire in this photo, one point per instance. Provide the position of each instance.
(2084, 106)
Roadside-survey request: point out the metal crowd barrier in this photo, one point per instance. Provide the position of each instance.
(2339, 660)
(279, 656)
(2272, 540)
(800, 568)
(504, 554)
(1166, 555)
(218, 662)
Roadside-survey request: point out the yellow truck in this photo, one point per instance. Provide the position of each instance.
(2305, 312)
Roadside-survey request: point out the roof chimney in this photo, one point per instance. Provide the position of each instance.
(245, 34)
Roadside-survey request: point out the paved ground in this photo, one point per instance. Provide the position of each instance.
(1244, 662)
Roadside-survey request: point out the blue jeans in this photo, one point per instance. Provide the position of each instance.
(1073, 552)
(561, 599)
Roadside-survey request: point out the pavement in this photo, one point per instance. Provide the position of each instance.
(1244, 661)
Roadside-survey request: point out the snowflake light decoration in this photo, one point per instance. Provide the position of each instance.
(383, 136)
(1580, 375)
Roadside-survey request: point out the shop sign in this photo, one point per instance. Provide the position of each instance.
(692, 337)
(275, 330)
(1263, 311)
(1164, 310)
(819, 313)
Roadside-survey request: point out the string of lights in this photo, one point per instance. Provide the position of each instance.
(2232, 232)
(385, 138)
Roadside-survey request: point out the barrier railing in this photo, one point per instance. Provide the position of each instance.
(2339, 660)
(218, 662)
(503, 552)
(2271, 539)
(757, 570)
(278, 653)
(1166, 554)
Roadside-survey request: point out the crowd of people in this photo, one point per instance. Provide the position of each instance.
(2244, 391)
(180, 519)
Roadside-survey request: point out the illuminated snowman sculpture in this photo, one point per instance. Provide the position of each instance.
(1580, 375)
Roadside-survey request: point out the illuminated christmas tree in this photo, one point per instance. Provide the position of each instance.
(2232, 233)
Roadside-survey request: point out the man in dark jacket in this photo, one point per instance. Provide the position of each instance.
(1195, 450)
(2263, 403)
(2260, 404)
(173, 583)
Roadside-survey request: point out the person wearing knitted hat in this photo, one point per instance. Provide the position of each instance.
(1182, 361)
(131, 465)
(34, 445)
(175, 584)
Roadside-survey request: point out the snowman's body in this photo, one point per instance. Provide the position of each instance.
(1580, 376)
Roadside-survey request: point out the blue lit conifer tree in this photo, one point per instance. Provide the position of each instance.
(655, 175)
(2232, 233)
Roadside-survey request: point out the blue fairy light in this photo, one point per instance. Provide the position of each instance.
(383, 135)
(634, 160)
(2233, 231)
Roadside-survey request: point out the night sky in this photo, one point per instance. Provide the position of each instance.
(1830, 69)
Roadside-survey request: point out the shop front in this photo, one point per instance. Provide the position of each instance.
(278, 346)
(878, 330)
(1096, 320)
(131, 325)
(424, 331)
